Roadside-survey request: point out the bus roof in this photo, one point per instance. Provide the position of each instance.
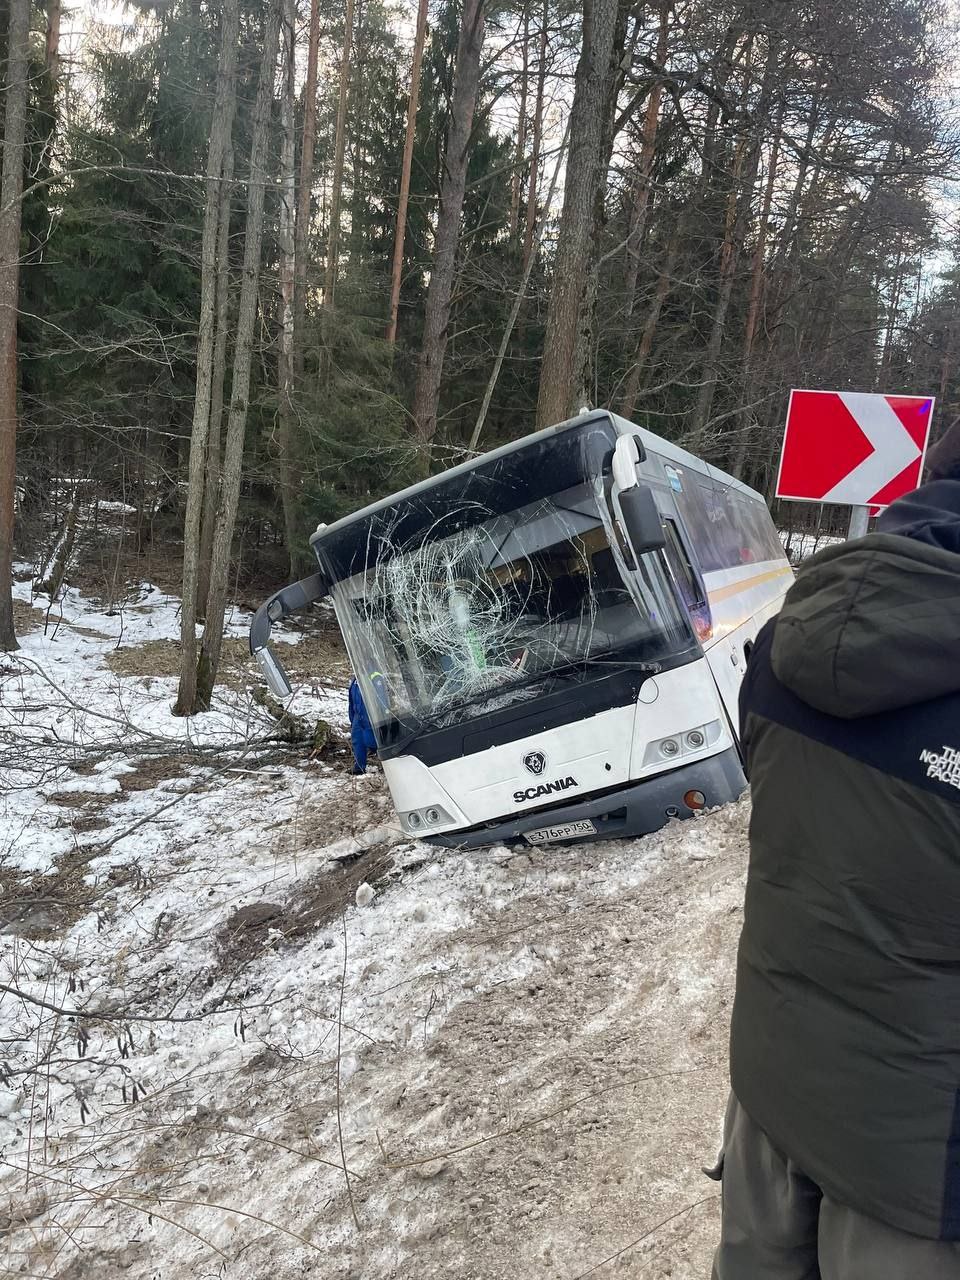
(653, 443)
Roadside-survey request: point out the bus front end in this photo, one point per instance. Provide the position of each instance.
(527, 664)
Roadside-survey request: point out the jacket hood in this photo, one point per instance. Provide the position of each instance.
(930, 514)
(874, 625)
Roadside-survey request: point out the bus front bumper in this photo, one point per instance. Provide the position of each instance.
(634, 810)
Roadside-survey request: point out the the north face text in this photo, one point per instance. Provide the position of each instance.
(943, 767)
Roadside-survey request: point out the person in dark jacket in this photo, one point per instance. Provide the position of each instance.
(361, 730)
(842, 1140)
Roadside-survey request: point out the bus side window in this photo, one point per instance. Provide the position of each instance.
(686, 577)
(688, 580)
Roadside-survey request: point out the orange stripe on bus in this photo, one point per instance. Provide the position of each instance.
(734, 589)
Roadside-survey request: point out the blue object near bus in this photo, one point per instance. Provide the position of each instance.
(361, 731)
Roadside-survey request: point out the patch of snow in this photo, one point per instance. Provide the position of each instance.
(801, 546)
(497, 1015)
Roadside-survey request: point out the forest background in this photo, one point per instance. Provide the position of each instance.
(262, 261)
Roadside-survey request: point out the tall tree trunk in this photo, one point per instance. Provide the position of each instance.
(586, 339)
(413, 102)
(585, 177)
(11, 193)
(749, 427)
(211, 483)
(220, 135)
(436, 319)
(759, 252)
(515, 309)
(746, 165)
(648, 149)
(52, 50)
(209, 660)
(333, 239)
(308, 148)
(536, 140)
(285, 368)
(516, 178)
(883, 372)
(631, 386)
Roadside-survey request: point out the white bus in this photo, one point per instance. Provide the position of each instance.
(550, 639)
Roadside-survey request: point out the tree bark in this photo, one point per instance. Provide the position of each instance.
(211, 483)
(308, 148)
(11, 193)
(746, 165)
(333, 239)
(756, 275)
(585, 385)
(536, 141)
(436, 320)
(648, 148)
(631, 386)
(585, 175)
(287, 246)
(221, 129)
(209, 659)
(515, 309)
(412, 105)
(52, 50)
(516, 178)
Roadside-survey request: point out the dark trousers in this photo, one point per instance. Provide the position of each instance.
(778, 1224)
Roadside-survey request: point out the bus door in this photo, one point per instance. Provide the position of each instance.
(689, 579)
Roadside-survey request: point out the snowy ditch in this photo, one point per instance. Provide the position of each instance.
(215, 1062)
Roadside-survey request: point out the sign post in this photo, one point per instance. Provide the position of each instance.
(853, 448)
(859, 523)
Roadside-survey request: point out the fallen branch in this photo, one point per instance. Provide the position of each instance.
(102, 1015)
(343, 1154)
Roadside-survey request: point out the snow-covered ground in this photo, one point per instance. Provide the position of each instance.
(250, 1030)
(800, 546)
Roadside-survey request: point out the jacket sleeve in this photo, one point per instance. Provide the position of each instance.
(759, 654)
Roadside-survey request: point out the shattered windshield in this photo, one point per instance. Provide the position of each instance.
(476, 608)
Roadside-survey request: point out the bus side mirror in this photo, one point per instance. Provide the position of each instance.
(641, 519)
(280, 605)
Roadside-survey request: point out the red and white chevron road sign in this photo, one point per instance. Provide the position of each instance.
(853, 447)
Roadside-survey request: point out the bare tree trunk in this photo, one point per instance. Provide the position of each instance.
(585, 359)
(309, 146)
(211, 483)
(209, 660)
(756, 276)
(748, 432)
(333, 240)
(63, 551)
(898, 281)
(52, 51)
(746, 165)
(648, 148)
(412, 104)
(631, 386)
(585, 176)
(11, 193)
(285, 369)
(515, 309)
(466, 81)
(220, 134)
(516, 178)
(536, 140)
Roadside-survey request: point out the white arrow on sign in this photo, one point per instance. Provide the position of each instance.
(894, 448)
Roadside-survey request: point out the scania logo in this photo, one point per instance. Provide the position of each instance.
(535, 762)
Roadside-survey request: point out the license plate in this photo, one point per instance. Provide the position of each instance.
(565, 831)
